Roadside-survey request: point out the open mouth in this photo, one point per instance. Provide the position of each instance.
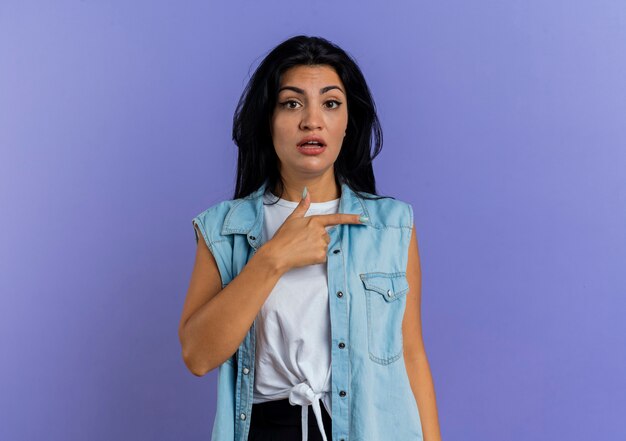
(312, 142)
(311, 145)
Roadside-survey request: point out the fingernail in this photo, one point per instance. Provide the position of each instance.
(304, 192)
(363, 218)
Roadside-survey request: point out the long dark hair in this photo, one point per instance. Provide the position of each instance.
(257, 159)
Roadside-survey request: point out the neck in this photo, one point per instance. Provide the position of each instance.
(321, 189)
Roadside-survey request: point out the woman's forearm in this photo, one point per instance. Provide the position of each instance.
(215, 331)
(423, 389)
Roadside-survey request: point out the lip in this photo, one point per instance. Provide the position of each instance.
(311, 150)
(312, 138)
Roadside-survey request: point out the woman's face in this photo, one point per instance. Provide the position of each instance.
(311, 102)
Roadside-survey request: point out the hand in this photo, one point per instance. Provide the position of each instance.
(301, 240)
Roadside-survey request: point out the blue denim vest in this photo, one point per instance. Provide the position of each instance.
(372, 398)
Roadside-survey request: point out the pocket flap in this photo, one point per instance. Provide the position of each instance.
(390, 285)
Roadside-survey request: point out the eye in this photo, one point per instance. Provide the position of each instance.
(287, 103)
(337, 103)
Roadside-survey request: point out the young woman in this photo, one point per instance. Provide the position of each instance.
(306, 285)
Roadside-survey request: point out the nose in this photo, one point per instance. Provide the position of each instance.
(311, 118)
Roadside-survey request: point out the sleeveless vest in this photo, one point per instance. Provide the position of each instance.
(367, 286)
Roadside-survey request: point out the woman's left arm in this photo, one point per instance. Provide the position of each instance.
(415, 358)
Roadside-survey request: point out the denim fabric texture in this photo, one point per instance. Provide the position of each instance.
(372, 398)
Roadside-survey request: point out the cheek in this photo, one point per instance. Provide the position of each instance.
(281, 137)
(340, 122)
(279, 127)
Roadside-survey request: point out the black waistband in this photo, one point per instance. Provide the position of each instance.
(282, 413)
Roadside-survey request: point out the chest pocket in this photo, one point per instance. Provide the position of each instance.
(385, 295)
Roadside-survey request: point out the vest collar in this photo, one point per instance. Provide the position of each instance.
(246, 214)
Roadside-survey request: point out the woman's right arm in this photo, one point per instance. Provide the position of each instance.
(215, 321)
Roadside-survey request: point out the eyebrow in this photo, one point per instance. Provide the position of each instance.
(323, 90)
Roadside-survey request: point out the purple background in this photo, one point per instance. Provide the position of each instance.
(505, 128)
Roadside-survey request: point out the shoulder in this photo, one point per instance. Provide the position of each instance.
(388, 212)
(217, 211)
(211, 220)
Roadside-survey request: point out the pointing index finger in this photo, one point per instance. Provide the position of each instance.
(339, 218)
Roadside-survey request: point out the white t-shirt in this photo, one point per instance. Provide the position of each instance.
(293, 327)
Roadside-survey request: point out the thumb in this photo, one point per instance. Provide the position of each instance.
(303, 206)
